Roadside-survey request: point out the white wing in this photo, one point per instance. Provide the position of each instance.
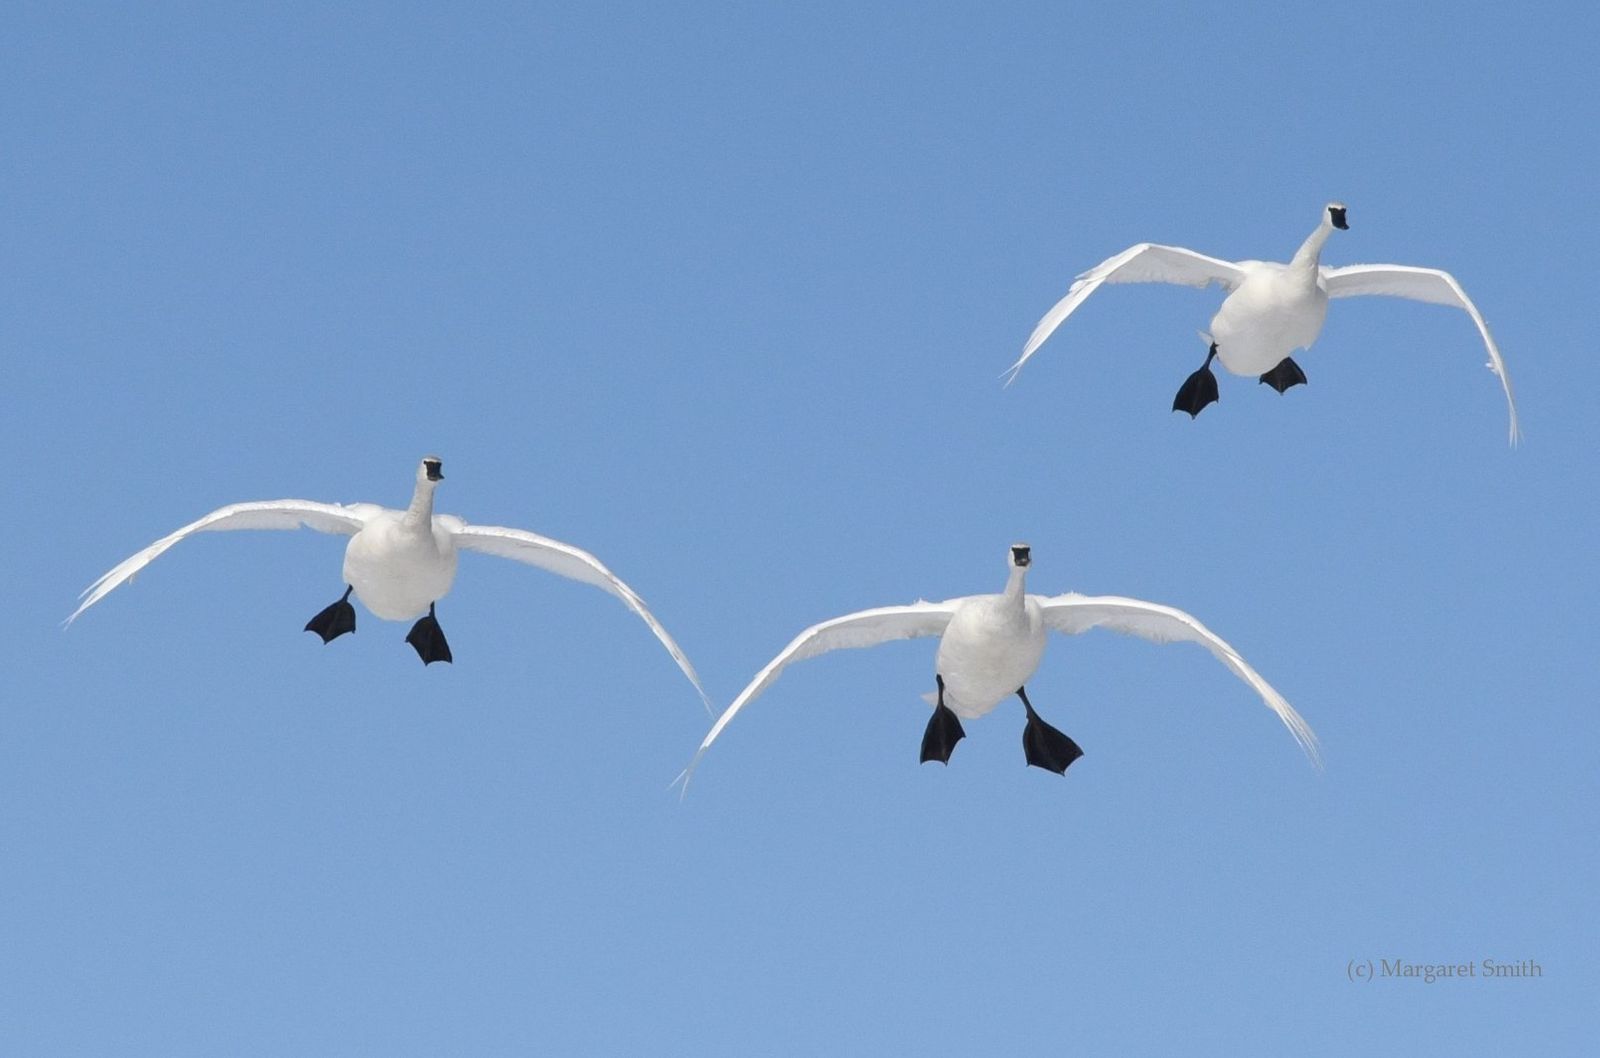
(1073, 613)
(1146, 263)
(263, 514)
(566, 561)
(1420, 284)
(865, 628)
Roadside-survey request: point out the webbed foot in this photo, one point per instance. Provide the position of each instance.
(1286, 374)
(1044, 746)
(336, 620)
(944, 731)
(1199, 389)
(427, 638)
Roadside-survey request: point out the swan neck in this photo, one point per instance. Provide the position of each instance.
(1310, 252)
(420, 513)
(1015, 586)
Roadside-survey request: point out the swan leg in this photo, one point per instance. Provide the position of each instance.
(1046, 747)
(1199, 389)
(944, 731)
(1283, 376)
(427, 638)
(336, 620)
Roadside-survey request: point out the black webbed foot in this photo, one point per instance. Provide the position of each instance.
(336, 620)
(427, 638)
(1199, 389)
(944, 731)
(1044, 746)
(1286, 374)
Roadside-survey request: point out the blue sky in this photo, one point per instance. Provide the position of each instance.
(721, 293)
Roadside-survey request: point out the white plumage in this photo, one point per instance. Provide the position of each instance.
(1272, 309)
(399, 563)
(991, 644)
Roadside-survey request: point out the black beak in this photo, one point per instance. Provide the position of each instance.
(1338, 219)
(434, 472)
(1021, 556)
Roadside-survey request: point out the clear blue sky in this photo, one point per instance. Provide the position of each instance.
(721, 293)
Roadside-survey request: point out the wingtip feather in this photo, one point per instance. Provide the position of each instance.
(681, 781)
(687, 774)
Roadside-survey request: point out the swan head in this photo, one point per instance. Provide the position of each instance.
(1336, 216)
(430, 470)
(1021, 556)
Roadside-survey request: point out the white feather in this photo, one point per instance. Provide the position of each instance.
(400, 562)
(996, 649)
(1272, 310)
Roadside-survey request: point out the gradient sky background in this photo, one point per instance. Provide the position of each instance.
(722, 294)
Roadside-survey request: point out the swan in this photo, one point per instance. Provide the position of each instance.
(990, 645)
(1271, 309)
(398, 563)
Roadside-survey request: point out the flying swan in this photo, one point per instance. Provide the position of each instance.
(1271, 309)
(398, 563)
(990, 645)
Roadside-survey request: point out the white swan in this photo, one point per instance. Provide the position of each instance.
(1272, 309)
(990, 646)
(398, 563)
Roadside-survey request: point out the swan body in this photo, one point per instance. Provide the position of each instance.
(1276, 310)
(1272, 310)
(399, 568)
(990, 645)
(399, 563)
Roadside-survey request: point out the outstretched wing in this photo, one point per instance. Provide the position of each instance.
(1147, 262)
(262, 514)
(1420, 284)
(566, 561)
(1073, 613)
(865, 628)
